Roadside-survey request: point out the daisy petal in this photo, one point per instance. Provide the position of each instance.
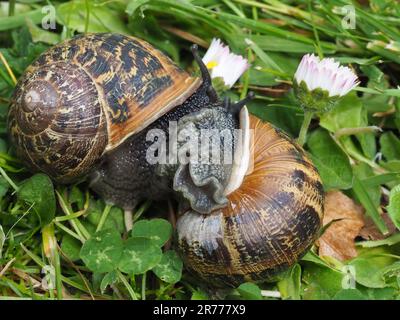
(223, 63)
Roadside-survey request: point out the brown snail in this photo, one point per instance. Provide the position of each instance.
(86, 96)
(88, 107)
(271, 220)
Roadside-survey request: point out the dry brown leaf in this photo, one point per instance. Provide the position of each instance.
(338, 240)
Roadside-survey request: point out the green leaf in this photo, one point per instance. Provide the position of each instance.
(102, 252)
(139, 255)
(115, 220)
(101, 19)
(134, 5)
(380, 293)
(289, 287)
(320, 282)
(96, 279)
(71, 247)
(391, 274)
(169, 269)
(376, 81)
(24, 51)
(90, 228)
(364, 171)
(4, 186)
(375, 76)
(109, 278)
(370, 267)
(393, 165)
(372, 211)
(268, 61)
(381, 179)
(158, 230)
(42, 35)
(330, 160)
(390, 146)
(270, 43)
(282, 116)
(250, 291)
(368, 144)
(393, 208)
(349, 294)
(367, 140)
(76, 196)
(348, 113)
(94, 211)
(199, 295)
(3, 146)
(360, 61)
(7, 23)
(397, 114)
(38, 191)
(312, 257)
(389, 241)
(260, 76)
(2, 240)
(368, 274)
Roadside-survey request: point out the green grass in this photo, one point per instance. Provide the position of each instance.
(50, 227)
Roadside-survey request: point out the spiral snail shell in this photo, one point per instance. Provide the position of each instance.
(86, 96)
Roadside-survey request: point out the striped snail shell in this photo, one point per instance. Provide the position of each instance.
(272, 219)
(84, 97)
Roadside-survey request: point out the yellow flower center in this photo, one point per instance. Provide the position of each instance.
(211, 64)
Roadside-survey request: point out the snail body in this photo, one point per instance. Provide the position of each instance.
(86, 108)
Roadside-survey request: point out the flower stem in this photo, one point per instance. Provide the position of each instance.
(144, 286)
(127, 285)
(304, 127)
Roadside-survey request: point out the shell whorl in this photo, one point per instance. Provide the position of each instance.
(269, 223)
(86, 96)
(56, 121)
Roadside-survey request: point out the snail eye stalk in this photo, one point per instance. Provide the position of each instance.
(212, 94)
(227, 103)
(236, 107)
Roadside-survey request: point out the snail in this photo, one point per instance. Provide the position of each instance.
(95, 107)
(271, 220)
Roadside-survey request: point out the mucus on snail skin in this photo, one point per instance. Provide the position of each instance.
(202, 180)
(211, 233)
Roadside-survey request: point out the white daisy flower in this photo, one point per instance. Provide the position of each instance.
(326, 74)
(223, 63)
